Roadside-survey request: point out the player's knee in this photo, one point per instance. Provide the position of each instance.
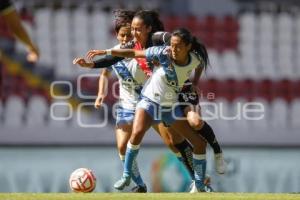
(194, 120)
(122, 148)
(196, 123)
(169, 143)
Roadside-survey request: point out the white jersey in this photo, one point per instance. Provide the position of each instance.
(168, 78)
(131, 80)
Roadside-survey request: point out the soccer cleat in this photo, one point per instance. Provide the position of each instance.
(193, 188)
(207, 188)
(120, 184)
(220, 163)
(207, 182)
(139, 189)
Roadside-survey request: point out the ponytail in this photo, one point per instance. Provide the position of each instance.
(199, 49)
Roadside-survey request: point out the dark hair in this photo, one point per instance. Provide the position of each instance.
(197, 47)
(150, 18)
(123, 18)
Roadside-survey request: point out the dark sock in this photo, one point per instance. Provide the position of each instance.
(207, 132)
(186, 151)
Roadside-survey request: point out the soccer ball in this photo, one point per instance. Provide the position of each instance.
(82, 180)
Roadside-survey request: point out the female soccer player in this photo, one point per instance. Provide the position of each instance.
(159, 96)
(191, 108)
(128, 98)
(188, 95)
(145, 23)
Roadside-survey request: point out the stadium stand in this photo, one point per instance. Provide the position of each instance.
(253, 56)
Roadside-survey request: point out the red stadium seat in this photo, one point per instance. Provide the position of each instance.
(246, 89)
(283, 89)
(230, 24)
(264, 89)
(227, 89)
(208, 89)
(210, 23)
(89, 85)
(295, 87)
(192, 23)
(172, 22)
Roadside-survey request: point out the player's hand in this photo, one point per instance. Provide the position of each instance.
(33, 54)
(99, 101)
(82, 62)
(92, 53)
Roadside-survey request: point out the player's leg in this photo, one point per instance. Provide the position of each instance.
(178, 144)
(142, 122)
(193, 116)
(199, 153)
(123, 133)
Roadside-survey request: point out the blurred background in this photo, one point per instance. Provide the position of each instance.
(49, 127)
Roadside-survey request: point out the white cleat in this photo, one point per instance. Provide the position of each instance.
(193, 188)
(220, 163)
(207, 182)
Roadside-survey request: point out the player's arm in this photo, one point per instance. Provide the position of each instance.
(127, 53)
(109, 60)
(196, 77)
(105, 62)
(150, 53)
(83, 63)
(102, 87)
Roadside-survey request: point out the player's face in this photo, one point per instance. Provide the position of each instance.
(124, 35)
(179, 50)
(139, 30)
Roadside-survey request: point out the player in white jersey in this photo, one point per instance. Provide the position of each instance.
(131, 78)
(188, 96)
(160, 94)
(144, 24)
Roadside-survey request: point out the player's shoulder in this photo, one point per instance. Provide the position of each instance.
(196, 59)
(159, 49)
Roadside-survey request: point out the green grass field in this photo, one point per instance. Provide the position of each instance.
(150, 196)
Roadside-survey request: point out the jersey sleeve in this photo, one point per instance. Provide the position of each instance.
(161, 38)
(156, 53)
(107, 61)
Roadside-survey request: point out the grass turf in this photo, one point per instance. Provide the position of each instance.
(150, 196)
